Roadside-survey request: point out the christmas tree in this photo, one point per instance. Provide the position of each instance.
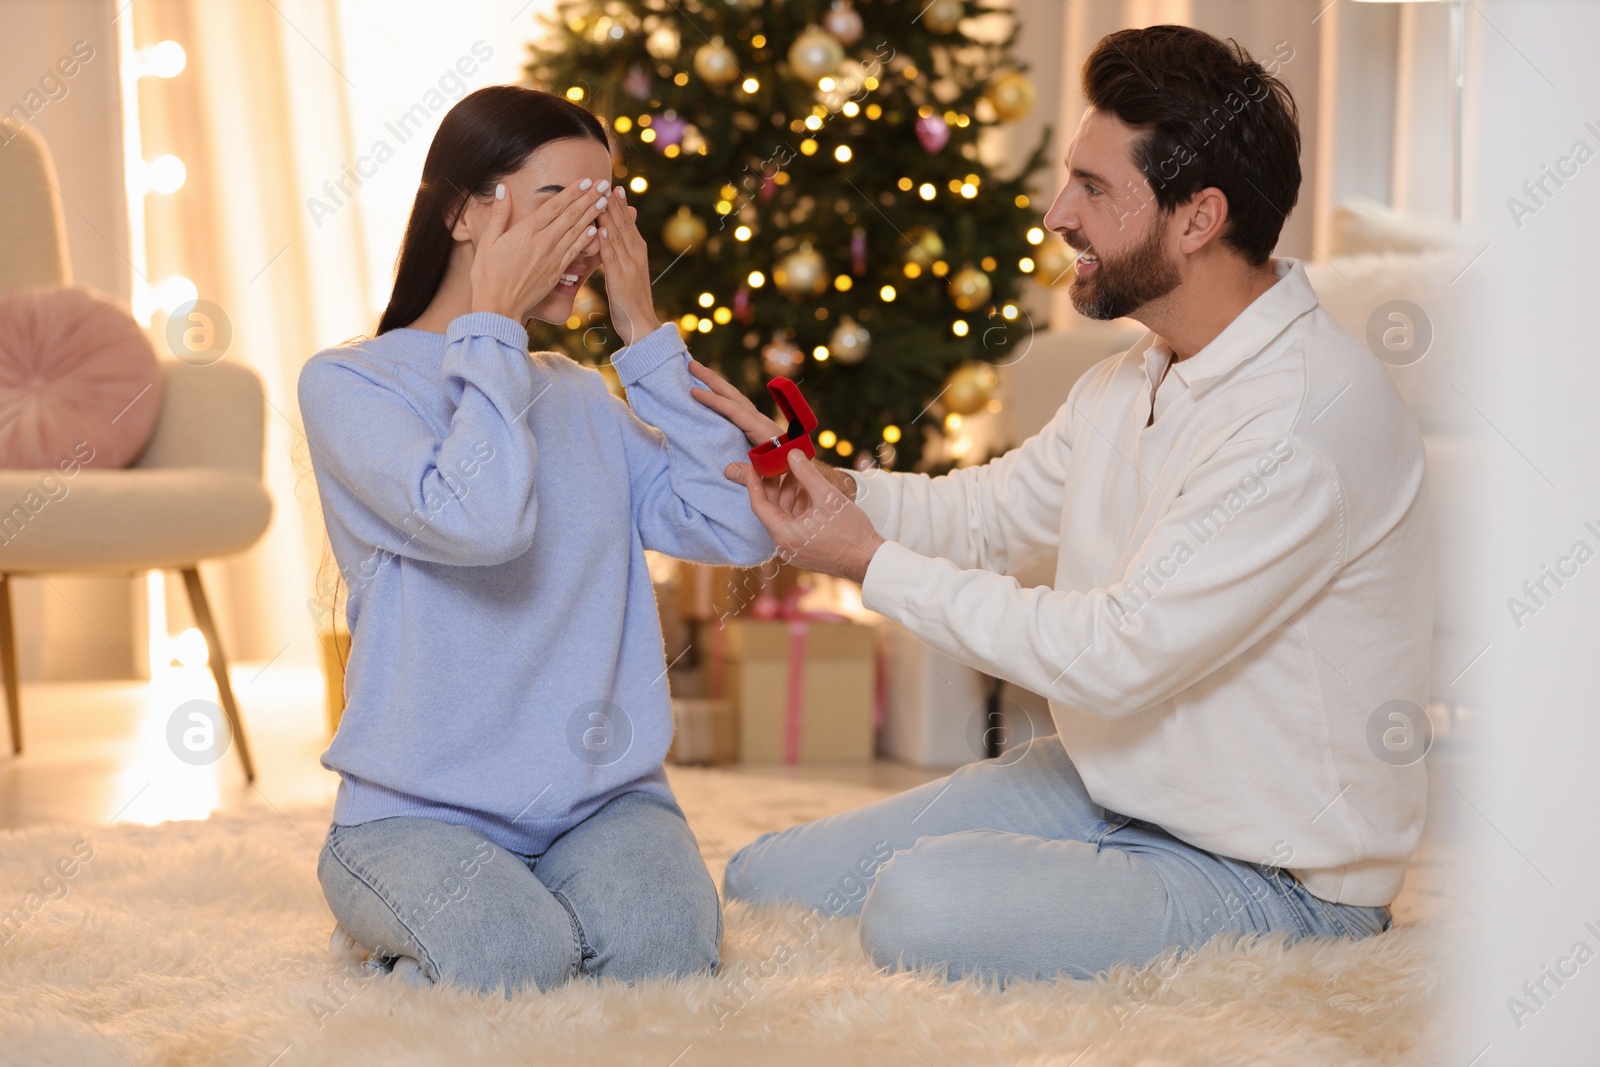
(808, 175)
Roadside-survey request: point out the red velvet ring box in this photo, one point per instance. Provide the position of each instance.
(771, 458)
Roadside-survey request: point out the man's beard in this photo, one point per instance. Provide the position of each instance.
(1121, 286)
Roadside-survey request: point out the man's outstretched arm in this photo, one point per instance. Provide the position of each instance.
(1110, 651)
(994, 517)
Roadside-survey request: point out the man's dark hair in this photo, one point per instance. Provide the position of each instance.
(1210, 116)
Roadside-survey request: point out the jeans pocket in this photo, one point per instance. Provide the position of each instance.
(1352, 921)
(1110, 823)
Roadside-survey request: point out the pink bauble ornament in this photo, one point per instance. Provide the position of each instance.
(638, 83)
(781, 357)
(933, 133)
(669, 130)
(843, 21)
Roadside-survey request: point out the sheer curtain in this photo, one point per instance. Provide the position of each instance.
(291, 215)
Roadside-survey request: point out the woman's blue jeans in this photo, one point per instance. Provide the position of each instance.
(624, 894)
(1007, 868)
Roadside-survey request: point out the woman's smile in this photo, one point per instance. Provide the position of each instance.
(573, 277)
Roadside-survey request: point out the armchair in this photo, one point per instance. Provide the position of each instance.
(196, 492)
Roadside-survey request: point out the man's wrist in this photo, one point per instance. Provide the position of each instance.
(858, 573)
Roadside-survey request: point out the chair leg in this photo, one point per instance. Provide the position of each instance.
(8, 664)
(219, 666)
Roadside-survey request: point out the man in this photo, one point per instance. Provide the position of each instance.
(1243, 585)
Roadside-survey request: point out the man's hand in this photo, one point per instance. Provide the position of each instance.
(791, 490)
(810, 518)
(841, 480)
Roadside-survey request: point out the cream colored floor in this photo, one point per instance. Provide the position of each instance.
(97, 751)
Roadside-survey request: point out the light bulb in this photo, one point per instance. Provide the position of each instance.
(165, 59)
(165, 174)
(174, 292)
(189, 648)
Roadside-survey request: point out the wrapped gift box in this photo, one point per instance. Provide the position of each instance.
(937, 706)
(707, 592)
(803, 690)
(704, 731)
(937, 713)
(703, 598)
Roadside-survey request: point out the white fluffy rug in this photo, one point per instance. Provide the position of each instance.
(205, 943)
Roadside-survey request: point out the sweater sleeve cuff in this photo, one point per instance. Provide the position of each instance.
(488, 324)
(872, 496)
(890, 577)
(647, 353)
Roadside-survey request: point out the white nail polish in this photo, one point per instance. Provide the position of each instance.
(585, 184)
(589, 232)
(604, 185)
(603, 232)
(500, 191)
(600, 205)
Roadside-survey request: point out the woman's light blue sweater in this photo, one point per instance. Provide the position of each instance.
(489, 510)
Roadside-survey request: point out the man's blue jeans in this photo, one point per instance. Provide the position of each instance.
(1007, 868)
(624, 894)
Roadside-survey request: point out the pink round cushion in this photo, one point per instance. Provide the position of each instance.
(75, 370)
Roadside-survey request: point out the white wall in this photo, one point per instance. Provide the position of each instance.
(1536, 384)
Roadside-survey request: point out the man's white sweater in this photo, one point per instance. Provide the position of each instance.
(1243, 584)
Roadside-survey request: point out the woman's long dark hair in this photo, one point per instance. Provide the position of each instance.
(487, 135)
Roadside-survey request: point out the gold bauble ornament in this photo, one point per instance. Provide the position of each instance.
(781, 358)
(970, 388)
(927, 247)
(1054, 263)
(684, 232)
(850, 341)
(606, 30)
(815, 54)
(663, 42)
(943, 16)
(1012, 96)
(801, 273)
(970, 288)
(714, 63)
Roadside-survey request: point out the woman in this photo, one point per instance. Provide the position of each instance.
(503, 818)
